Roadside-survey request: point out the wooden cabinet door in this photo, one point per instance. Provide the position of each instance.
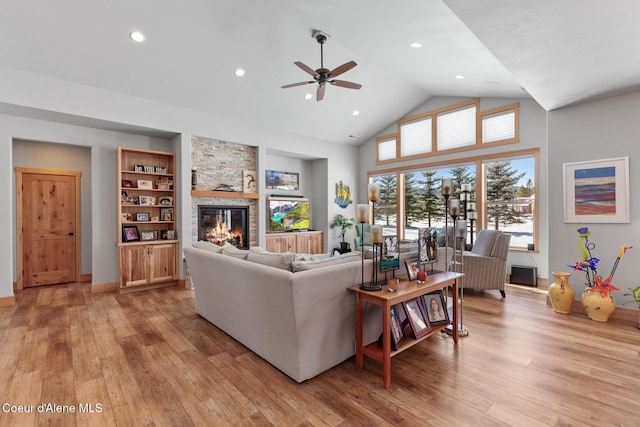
(310, 242)
(162, 263)
(134, 266)
(284, 242)
(316, 244)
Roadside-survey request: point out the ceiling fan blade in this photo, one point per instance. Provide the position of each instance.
(297, 84)
(344, 83)
(306, 68)
(320, 93)
(342, 69)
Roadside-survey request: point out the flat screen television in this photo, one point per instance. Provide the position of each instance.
(288, 213)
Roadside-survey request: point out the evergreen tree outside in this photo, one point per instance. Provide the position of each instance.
(413, 200)
(386, 208)
(432, 202)
(525, 191)
(502, 182)
(462, 175)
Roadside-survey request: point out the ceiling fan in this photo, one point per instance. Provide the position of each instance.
(322, 75)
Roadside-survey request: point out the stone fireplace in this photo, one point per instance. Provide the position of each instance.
(224, 224)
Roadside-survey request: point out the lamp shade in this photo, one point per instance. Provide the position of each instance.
(373, 192)
(376, 234)
(454, 207)
(472, 215)
(362, 213)
(465, 187)
(447, 184)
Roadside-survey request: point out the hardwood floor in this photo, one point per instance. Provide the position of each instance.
(146, 359)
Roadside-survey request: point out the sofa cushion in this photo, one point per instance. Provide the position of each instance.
(277, 260)
(334, 260)
(485, 241)
(207, 246)
(311, 257)
(230, 250)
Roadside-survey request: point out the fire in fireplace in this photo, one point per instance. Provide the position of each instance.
(224, 224)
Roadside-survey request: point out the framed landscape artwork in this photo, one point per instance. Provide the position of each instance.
(597, 191)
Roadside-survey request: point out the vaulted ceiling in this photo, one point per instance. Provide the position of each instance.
(558, 52)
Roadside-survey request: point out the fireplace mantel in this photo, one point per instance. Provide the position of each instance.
(229, 194)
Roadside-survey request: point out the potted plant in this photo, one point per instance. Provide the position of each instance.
(635, 294)
(343, 224)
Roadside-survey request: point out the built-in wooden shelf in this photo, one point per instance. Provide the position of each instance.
(229, 194)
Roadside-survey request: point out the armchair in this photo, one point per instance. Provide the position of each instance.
(485, 266)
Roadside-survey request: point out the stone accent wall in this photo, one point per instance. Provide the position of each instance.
(221, 162)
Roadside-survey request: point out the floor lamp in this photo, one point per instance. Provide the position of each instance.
(461, 237)
(447, 185)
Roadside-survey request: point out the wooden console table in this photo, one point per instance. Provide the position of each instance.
(404, 291)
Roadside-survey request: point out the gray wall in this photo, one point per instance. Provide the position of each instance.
(532, 135)
(32, 154)
(597, 130)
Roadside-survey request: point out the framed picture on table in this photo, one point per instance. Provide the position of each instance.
(417, 318)
(436, 308)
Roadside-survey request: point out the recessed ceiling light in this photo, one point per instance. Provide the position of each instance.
(136, 36)
(416, 45)
(459, 77)
(308, 96)
(356, 113)
(239, 72)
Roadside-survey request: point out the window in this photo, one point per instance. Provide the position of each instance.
(502, 194)
(510, 201)
(499, 126)
(415, 137)
(457, 128)
(386, 148)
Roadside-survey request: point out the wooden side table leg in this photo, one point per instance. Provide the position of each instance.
(359, 355)
(386, 344)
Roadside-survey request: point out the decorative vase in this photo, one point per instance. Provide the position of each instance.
(561, 293)
(597, 306)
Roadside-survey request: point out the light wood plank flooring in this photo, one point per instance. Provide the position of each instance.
(146, 359)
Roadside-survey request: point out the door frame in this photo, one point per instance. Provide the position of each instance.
(20, 171)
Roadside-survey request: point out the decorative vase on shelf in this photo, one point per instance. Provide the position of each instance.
(561, 293)
(598, 306)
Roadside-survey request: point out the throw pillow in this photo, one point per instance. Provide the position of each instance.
(329, 262)
(207, 246)
(277, 260)
(231, 250)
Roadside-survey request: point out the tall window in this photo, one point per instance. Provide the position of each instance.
(386, 209)
(510, 200)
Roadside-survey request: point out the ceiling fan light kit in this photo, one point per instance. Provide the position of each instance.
(322, 75)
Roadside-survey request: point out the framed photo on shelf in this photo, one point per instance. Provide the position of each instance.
(130, 233)
(436, 308)
(412, 266)
(142, 216)
(165, 200)
(143, 183)
(126, 217)
(596, 191)
(155, 218)
(171, 234)
(127, 183)
(417, 318)
(147, 200)
(147, 235)
(166, 214)
(276, 180)
(397, 334)
(249, 181)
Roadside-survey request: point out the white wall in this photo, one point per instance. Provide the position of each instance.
(532, 135)
(597, 130)
(53, 102)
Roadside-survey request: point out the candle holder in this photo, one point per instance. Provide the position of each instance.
(447, 184)
(376, 241)
(361, 213)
